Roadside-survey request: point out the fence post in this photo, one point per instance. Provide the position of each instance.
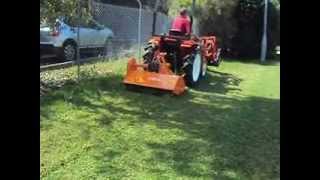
(154, 22)
(78, 40)
(193, 6)
(192, 16)
(139, 28)
(264, 36)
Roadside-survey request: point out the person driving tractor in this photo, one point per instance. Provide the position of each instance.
(181, 24)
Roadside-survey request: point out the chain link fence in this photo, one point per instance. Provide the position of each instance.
(123, 21)
(87, 31)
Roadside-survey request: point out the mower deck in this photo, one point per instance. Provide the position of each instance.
(136, 75)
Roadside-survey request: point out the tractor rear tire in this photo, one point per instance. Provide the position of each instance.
(194, 69)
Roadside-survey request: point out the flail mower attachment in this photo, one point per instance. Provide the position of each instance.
(163, 80)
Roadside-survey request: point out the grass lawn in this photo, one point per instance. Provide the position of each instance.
(227, 128)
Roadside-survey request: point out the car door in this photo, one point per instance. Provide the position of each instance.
(96, 37)
(85, 35)
(101, 34)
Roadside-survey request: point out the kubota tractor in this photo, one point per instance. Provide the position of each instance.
(173, 61)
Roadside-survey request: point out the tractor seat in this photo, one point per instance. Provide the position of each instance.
(175, 32)
(170, 43)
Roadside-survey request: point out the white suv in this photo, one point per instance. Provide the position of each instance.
(61, 40)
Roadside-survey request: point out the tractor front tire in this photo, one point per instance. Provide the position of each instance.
(148, 55)
(194, 69)
(204, 68)
(217, 60)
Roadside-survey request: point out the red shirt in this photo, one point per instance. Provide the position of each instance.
(182, 24)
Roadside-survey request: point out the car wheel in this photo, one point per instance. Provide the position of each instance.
(193, 70)
(69, 51)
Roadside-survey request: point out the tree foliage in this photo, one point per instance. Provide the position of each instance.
(146, 4)
(238, 24)
(250, 15)
(216, 18)
(50, 10)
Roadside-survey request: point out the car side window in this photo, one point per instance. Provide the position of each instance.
(73, 22)
(83, 23)
(70, 22)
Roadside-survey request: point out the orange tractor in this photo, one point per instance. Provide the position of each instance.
(172, 62)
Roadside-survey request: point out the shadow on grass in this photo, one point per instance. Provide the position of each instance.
(232, 137)
(219, 82)
(268, 62)
(243, 137)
